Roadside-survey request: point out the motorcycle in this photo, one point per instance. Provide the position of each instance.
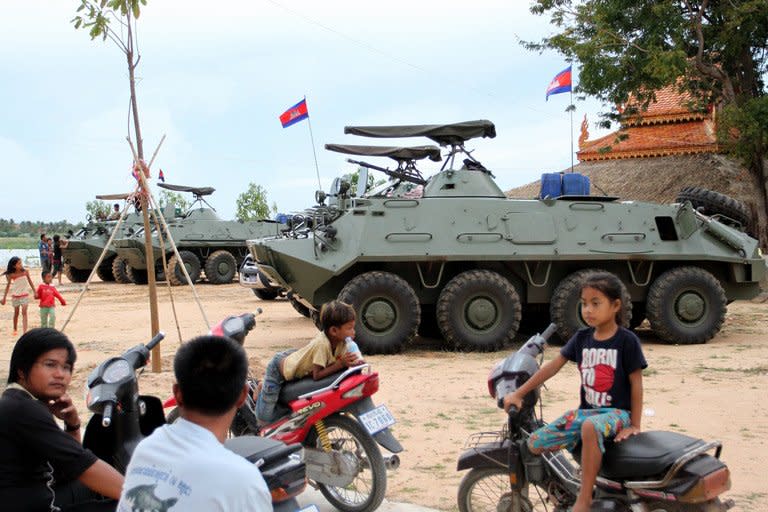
(654, 471)
(335, 420)
(122, 418)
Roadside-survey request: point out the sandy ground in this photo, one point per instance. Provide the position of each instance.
(715, 391)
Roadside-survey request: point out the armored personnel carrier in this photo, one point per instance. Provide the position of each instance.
(85, 247)
(207, 244)
(464, 258)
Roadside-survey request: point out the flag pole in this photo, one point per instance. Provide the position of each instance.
(570, 109)
(314, 152)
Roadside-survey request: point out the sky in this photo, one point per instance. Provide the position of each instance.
(215, 76)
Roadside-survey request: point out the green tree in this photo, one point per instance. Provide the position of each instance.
(252, 204)
(172, 198)
(98, 209)
(715, 51)
(354, 177)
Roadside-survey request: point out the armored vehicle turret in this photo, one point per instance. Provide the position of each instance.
(86, 245)
(207, 244)
(462, 257)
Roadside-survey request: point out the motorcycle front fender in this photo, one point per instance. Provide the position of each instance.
(489, 455)
(384, 437)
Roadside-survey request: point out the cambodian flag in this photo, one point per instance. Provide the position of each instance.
(561, 82)
(296, 113)
(161, 176)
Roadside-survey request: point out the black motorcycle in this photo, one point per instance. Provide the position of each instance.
(653, 471)
(122, 418)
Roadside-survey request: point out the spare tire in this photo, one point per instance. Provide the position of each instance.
(710, 202)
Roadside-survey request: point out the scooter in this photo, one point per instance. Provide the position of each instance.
(653, 471)
(122, 418)
(336, 421)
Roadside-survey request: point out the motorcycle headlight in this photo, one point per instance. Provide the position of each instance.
(116, 371)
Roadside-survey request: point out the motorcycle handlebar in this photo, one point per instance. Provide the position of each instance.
(154, 341)
(106, 416)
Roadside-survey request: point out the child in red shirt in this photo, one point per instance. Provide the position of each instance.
(47, 293)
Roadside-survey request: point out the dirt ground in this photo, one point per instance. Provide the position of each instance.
(714, 391)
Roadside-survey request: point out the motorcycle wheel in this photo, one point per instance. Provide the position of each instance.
(488, 490)
(366, 491)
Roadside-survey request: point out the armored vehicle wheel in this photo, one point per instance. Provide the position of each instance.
(388, 311)
(76, 275)
(266, 293)
(298, 306)
(711, 203)
(478, 310)
(686, 305)
(136, 275)
(176, 275)
(120, 271)
(104, 271)
(220, 267)
(565, 305)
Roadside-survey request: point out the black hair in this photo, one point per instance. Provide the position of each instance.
(56, 239)
(211, 373)
(32, 345)
(610, 286)
(42, 235)
(45, 273)
(335, 314)
(11, 265)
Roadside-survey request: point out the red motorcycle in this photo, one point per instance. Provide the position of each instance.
(335, 420)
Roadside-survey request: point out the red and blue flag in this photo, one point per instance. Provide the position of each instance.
(296, 113)
(561, 83)
(161, 176)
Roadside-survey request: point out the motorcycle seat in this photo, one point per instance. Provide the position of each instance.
(645, 455)
(293, 389)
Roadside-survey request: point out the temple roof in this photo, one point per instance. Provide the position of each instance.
(667, 127)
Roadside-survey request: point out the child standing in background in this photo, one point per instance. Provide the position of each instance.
(47, 293)
(18, 278)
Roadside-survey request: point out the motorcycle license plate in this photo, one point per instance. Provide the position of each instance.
(377, 419)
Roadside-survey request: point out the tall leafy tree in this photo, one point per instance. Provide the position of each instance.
(717, 51)
(252, 204)
(98, 209)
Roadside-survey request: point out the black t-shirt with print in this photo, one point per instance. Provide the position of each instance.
(605, 367)
(31, 447)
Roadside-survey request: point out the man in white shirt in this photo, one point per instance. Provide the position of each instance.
(184, 466)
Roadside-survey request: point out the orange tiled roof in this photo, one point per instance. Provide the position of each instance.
(667, 127)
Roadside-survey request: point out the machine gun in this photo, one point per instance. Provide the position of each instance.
(405, 157)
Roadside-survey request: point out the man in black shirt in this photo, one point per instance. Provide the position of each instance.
(38, 460)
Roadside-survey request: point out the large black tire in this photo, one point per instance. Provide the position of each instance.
(220, 267)
(266, 293)
(76, 275)
(487, 490)
(136, 275)
(710, 202)
(298, 306)
(366, 492)
(120, 271)
(686, 305)
(565, 305)
(479, 310)
(176, 275)
(388, 311)
(104, 271)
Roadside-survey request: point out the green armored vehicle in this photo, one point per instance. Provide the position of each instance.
(462, 257)
(85, 247)
(206, 243)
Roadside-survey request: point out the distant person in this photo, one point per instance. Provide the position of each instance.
(58, 245)
(45, 256)
(325, 355)
(47, 294)
(115, 215)
(19, 284)
(42, 466)
(184, 465)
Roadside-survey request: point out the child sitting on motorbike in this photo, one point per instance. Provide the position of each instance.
(611, 362)
(325, 355)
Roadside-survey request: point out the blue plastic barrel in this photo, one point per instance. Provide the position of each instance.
(551, 185)
(575, 184)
